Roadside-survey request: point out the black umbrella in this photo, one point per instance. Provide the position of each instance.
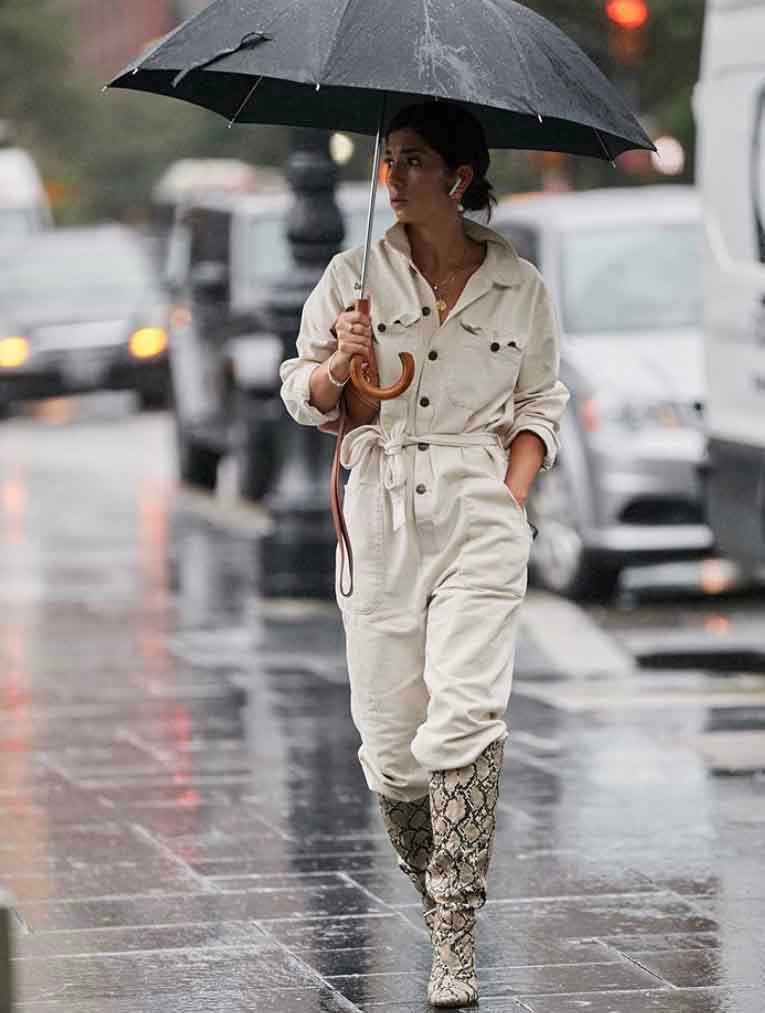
(346, 64)
(323, 63)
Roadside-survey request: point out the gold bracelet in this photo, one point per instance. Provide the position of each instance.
(335, 383)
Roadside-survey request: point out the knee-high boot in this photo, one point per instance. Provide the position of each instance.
(409, 829)
(463, 806)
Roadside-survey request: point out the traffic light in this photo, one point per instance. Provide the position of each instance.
(629, 14)
(627, 20)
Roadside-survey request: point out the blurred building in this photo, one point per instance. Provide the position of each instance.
(110, 33)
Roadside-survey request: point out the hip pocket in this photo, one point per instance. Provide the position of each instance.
(500, 461)
(531, 529)
(363, 512)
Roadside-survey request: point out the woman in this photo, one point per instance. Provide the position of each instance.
(435, 506)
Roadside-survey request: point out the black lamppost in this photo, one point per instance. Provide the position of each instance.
(297, 557)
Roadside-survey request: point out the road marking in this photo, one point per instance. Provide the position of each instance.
(537, 743)
(634, 694)
(571, 642)
(238, 517)
(741, 751)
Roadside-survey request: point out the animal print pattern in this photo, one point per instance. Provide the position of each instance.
(410, 832)
(463, 806)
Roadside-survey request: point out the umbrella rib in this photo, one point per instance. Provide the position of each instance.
(603, 144)
(240, 110)
(333, 44)
(531, 83)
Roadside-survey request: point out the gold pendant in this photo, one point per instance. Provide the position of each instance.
(441, 305)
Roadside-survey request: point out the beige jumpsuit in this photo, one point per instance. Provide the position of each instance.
(440, 545)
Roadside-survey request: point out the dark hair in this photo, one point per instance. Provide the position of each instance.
(458, 138)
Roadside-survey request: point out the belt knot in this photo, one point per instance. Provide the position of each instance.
(363, 440)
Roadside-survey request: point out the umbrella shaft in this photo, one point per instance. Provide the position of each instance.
(373, 195)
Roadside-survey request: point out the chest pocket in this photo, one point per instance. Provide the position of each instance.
(396, 331)
(486, 366)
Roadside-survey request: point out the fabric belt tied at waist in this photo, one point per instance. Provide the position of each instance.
(350, 450)
(361, 441)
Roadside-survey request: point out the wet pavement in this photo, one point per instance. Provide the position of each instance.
(184, 826)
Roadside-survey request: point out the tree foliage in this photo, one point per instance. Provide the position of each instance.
(107, 150)
(660, 85)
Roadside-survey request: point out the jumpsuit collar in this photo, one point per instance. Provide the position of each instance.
(501, 265)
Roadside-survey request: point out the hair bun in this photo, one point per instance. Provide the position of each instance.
(479, 196)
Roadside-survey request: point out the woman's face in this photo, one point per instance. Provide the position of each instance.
(418, 179)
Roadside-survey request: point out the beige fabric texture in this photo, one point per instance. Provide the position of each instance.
(440, 545)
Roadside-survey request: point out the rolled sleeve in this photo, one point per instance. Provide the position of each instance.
(315, 344)
(539, 398)
(296, 393)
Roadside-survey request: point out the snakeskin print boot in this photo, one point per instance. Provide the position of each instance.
(408, 826)
(463, 805)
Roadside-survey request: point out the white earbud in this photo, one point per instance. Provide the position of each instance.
(456, 186)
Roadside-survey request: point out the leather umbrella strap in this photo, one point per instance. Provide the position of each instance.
(336, 506)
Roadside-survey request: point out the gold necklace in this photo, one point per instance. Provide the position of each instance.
(441, 303)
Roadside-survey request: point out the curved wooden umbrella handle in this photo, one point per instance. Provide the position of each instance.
(363, 385)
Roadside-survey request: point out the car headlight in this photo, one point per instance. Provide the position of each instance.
(14, 352)
(600, 412)
(148, 342)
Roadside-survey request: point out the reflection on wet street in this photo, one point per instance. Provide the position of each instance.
(184, 824)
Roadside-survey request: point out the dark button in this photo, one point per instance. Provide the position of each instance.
(426, 311)
(422, 446)
(495, 346)
(432, 356)
(421, 489)
(424, 402)
(381, 328)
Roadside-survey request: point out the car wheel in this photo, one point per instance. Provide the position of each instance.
(256, 455)
(152, 400)
(560, 561)
(197, 464)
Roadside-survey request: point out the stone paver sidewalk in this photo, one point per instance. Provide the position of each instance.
(184, 826)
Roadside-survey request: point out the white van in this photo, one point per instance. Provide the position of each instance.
(24, 205)
(730, 111)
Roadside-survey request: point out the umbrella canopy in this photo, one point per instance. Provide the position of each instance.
(325, 63)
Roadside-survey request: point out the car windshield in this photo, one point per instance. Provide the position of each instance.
(57, 271)
(630, 278)
(269, 252)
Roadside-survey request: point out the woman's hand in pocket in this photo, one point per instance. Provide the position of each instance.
(520, 495)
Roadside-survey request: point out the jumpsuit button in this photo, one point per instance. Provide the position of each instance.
(495, 346)
(421, 489)
(432, 356)
(422, 446)
(381, 328)
(424, 402)
(426, 311)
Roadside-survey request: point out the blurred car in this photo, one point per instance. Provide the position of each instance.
(624, 269)
(80, 310)
(189, 181)
(729, 103)
(224, 254)
(24, 205)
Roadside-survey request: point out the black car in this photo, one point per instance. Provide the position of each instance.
(80, 310)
